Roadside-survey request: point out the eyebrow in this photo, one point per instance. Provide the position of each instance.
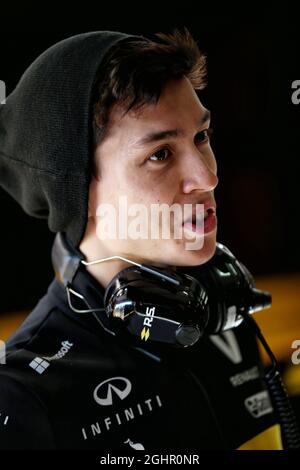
(167, 134)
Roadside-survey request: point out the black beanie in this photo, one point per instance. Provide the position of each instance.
(46, 132)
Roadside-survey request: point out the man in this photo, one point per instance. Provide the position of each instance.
(97, 117)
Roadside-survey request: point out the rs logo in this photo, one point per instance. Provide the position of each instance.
(145, 333)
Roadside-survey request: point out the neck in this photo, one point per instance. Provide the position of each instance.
(92, 248)
(105, 271)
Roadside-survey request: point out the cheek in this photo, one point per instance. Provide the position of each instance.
(104, 191)
(141, 184)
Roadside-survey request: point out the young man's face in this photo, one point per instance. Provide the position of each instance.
(177, 167)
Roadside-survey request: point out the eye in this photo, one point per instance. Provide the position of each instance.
(204, 135)
(160, 155)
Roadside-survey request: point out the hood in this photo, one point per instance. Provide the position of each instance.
(46, 132)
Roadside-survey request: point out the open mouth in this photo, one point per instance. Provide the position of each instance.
(201, 222)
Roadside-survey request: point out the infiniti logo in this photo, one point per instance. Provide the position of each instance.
(103, 393)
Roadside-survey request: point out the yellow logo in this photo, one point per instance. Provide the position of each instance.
(145, 333)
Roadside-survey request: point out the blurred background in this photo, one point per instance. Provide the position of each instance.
(253, 58)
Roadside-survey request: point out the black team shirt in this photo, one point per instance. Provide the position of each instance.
(69, 384)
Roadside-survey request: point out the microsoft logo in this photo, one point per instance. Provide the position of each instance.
(39, 365)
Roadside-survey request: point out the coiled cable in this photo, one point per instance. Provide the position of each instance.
(279, 396)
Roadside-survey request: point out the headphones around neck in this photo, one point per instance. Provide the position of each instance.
(178, 307)
(144, 304)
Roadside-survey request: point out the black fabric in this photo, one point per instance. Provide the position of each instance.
(45, 132)
(187, 399)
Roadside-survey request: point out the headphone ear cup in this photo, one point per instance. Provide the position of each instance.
(151, 308)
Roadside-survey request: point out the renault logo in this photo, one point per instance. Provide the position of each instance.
(145, 333)
(103, 393)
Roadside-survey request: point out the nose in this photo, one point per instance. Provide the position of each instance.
(200, 172)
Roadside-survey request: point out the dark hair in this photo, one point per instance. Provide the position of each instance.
(137, 69)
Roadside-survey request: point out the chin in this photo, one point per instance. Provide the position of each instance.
(185, 257)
